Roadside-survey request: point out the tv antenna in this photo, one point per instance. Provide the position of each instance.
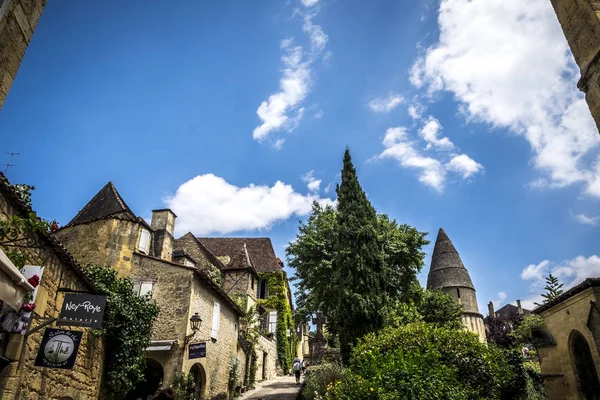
(8, 164)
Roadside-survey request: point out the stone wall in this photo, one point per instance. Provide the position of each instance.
(220, 353)
(190, 245)
(17, 24)
(83, 381)
(109, 242)
(581, 26)
(556, 362)
(266, 350)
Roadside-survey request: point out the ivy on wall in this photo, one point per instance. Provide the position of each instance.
(278, 300)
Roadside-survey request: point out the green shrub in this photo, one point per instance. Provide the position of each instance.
(184, 386)
(319, 378)
(419, 361)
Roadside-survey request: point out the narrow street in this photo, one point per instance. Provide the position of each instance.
(281, 388)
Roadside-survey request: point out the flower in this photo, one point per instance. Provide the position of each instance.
(34, 280)
(28, 307)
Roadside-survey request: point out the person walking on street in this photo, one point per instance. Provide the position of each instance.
(297, 369)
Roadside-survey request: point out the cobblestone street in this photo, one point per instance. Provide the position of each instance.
(281, 388)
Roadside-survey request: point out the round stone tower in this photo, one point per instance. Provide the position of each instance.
(448, 274)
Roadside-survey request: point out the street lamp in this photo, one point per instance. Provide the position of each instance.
(196, 321)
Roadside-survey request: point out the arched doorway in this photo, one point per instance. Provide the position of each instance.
(199, 375)
(585, 370)
(153, 377)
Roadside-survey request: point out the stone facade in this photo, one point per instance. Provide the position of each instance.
(18, 19)
(568, 345)
(106, 232)
(61, 274)
(581, 26)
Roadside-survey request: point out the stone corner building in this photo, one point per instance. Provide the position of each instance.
(448, 274)
(60, 274)
(569, 343)
(185, 276)
(18, 19)
(580, 22)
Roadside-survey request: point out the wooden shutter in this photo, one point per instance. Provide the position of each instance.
(272, 321)
(216, 320)
(144, 246)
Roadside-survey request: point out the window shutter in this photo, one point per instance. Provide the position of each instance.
(272, 321)
(136, 288)
(146, 288)
(144, 241)
(216, 320)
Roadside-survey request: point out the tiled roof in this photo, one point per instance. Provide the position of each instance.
(510, 310)
(244, 252)
(105, 204)
(447, 269)
(61, 252)
(588, 283)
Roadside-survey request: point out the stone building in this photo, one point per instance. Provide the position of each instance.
(107, 232)
(60, 274)
(448, 274)
(580, 22)
(569, 343)
(18, 19)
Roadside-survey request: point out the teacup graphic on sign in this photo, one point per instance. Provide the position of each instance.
(59, 348)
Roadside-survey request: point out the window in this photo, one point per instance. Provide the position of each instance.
(143, 288)
(272, 321)
(252, 282)
(216, 321)
(263, 289)
(144, 245)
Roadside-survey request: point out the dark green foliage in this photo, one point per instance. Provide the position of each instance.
(323, 378)
(233, 377)
(184, 386)
(433, 307)
(553, 289)
(352, 265)
(522, 334)
(126, 326)
(24, 192)
(420, 361)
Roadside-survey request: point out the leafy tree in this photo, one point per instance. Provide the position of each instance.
(522, 332)
(184, 386)
(127, 326)
(433, 307)
(553, 289)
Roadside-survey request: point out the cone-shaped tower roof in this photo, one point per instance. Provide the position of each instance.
(447, 269)
(106, 203)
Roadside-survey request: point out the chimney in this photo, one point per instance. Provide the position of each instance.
(163, 223)
(519, 308)
(491, 310)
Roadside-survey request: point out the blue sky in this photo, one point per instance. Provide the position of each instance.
(461, 114)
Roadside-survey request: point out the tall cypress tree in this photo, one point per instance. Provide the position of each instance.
(358, 264)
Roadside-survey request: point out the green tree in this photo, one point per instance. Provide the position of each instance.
(522, 334)
(553, 289)
(127, 326)
(358, 274)
(431, 306)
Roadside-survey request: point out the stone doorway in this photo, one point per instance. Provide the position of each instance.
(199, 375)
(153, 377)
(585, 370)
(264, 366)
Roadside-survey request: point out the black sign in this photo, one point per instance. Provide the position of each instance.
(81, 309)
(197, 350)
(58, 349)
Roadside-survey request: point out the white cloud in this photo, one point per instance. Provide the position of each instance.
(429, 132)
(309, 3)
(207, 204)
(386, 104)
(295, 84)
(415, 110)
(570, 272)
(398, 147)
(507, 64)
(464, 165)
(584, 219)
(312, 183)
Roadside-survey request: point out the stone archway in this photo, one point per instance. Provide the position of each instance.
(199, 375)
(584, 367)
(153, 377)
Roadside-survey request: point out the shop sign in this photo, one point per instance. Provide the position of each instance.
(58, 349)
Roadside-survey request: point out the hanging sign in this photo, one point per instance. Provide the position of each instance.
(197, 350)
(82, 309)
(58, 349)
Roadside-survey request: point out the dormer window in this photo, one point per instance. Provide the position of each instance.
(144, 244)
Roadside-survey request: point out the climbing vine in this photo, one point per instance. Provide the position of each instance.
(278, 300)
(127, 326)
